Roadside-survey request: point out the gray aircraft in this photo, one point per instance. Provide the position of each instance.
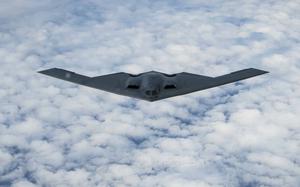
(152, 85)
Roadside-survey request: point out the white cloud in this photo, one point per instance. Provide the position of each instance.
(54, 133)
(23, 183)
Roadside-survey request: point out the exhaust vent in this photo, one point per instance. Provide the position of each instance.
(170, 86)
(133, 87)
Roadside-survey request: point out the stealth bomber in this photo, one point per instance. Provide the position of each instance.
(152, 85)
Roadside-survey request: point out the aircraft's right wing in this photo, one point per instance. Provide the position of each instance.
(66, 75)
(115, 83)
(188, 83)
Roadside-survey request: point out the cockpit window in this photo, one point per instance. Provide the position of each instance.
(134, 75)
(154, 92)
(151, 92)
(170, 75)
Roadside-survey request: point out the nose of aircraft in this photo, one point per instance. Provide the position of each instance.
(151, 93)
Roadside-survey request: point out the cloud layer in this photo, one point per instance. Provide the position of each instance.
(53, 133)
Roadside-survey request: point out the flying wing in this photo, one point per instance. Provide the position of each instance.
(114, 83)
(184, 82)
(188, 83)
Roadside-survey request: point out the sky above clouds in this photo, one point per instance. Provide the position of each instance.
(54, 133)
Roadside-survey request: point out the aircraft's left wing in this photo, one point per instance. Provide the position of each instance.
(188, 83)
(114, 83)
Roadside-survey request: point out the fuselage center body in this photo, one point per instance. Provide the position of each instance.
(150, 84)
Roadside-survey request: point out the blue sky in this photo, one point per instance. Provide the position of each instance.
(54, 133)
